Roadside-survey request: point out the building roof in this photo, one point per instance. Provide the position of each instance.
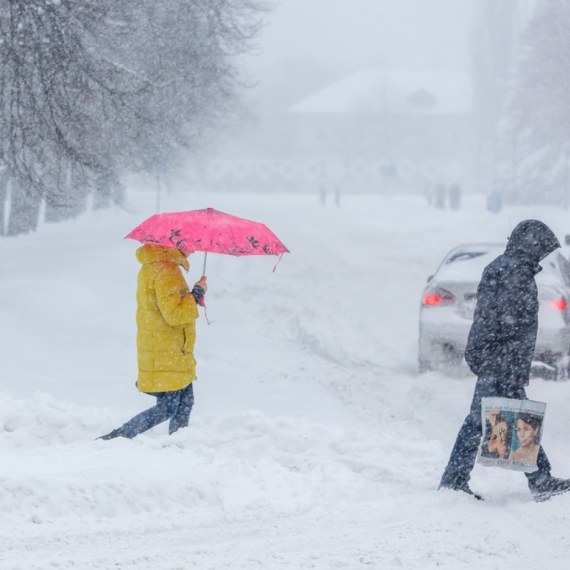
(375, 91)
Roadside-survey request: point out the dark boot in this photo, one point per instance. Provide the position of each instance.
(545, 487)
(461, 486)
(111, 435)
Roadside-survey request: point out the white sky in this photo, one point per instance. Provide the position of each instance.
(353, 34)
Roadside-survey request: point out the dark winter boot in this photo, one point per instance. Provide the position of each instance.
(111, 435)
(461, 486)
(545, 487)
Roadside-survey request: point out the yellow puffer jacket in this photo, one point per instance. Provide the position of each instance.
(166, 321)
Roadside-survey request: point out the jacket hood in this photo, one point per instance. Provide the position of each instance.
(150, 253)
(532, 240)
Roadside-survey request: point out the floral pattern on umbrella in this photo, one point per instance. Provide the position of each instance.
(209, 231)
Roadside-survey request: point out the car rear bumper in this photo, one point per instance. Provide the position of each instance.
(555, 341)
(438, 340)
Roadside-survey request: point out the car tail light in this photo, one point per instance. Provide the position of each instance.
(439, 297)
(558, 304)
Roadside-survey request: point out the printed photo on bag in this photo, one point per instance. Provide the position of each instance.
(512, 431)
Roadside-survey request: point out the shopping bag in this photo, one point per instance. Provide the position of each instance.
(512, 431)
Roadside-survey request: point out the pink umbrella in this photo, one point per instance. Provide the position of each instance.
(209, 231)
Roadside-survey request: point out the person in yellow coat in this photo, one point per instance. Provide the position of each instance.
(166, 332)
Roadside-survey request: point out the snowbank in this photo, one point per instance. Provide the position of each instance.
(313, 442)
(248, 462)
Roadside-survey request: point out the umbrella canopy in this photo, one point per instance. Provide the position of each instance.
(210, 231)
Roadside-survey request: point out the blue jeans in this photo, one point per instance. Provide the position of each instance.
(174, 406)
(464, 453)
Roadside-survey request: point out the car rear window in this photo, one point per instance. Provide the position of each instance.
(465, 255)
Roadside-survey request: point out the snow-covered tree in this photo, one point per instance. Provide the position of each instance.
(496, 37)
(89, 88)
(538, 120)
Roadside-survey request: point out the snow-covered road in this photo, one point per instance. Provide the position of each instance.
(313, 442)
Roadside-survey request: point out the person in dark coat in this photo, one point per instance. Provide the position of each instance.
(454, 194)
(500, 350)
(439, 196)
(494, 201)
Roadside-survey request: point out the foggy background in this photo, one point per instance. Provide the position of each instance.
(433, 97)
(382, 97)
(361, 139)
(308, 45)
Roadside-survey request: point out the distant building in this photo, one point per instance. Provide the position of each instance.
(373, 131)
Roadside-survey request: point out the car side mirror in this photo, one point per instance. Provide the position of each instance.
(429, 278)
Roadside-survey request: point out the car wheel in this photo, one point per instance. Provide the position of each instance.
(563, 368)
(556, 363)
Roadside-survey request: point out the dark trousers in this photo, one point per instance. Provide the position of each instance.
(174, 406)
(464, 453)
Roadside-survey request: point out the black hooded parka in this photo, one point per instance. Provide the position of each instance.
(503, 334)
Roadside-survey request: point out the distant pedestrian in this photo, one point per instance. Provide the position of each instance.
(337, 195)
(454, 196)
(166, 324)
(494, 201)
(428, 193)
(322, 194)
(500, 349)
(439, 196)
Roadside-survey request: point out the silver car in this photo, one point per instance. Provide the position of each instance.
(449, 299)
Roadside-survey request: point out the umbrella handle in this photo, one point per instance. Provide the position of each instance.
(205, 259)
